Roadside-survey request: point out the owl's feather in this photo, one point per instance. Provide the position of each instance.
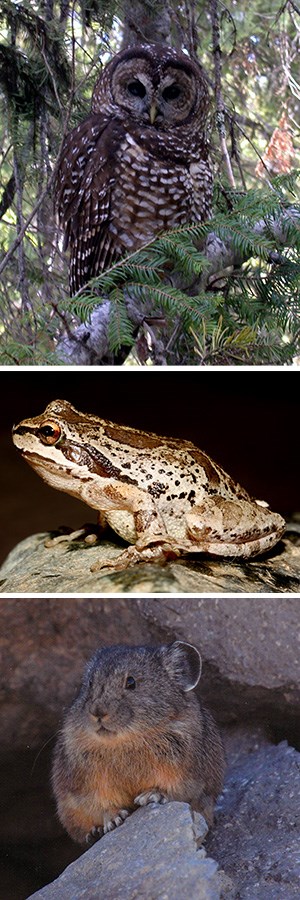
(83, 189)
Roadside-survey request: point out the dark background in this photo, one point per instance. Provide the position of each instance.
(247, 422)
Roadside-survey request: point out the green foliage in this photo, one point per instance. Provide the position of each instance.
(120, 328)
(249, 313)
(30, 59)
(101, 11)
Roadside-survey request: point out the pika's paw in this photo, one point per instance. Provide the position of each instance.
(115, 821)
(94, 835)
(150, 797)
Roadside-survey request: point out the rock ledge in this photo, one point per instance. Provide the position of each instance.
(33, 568)
(152, 855)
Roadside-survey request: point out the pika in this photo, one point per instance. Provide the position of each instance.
(136, 733)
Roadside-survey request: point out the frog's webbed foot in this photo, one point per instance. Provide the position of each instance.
(159, 552)
(94, 835)
(113, 821)
(154, 796)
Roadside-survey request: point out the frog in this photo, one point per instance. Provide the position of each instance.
(164, 496)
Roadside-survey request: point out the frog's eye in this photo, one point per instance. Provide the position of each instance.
(49, 433)
(130, 683)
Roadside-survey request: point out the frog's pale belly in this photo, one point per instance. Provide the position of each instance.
(122, 522)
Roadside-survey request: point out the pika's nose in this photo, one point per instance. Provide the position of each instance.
(98, 712)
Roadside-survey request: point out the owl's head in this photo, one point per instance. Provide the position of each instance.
(156, 85)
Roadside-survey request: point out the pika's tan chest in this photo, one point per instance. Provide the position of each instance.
(118, 781)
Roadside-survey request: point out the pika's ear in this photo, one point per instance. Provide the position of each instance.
(183, 662)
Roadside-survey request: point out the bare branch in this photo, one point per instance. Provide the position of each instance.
(218, 90)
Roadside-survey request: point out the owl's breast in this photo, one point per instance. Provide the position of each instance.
(151, 194)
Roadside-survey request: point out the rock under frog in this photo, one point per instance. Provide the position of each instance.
(164, 496)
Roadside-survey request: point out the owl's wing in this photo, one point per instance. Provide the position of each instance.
(83, 191)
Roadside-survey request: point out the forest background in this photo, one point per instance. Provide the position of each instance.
(185, 299)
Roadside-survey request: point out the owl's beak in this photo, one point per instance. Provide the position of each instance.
(153, 113)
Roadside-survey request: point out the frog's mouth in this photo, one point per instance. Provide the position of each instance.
(64, 456)
(40, 461)
(58, 472)
(78, 458)
(43, 462)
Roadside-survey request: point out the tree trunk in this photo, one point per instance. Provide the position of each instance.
(145, 22)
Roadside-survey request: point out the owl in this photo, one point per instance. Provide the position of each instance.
(139, 163)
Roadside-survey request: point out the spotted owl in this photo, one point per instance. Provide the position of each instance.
(139, 163)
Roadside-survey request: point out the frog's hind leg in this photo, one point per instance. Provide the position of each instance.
(224, 527)
(158, 552)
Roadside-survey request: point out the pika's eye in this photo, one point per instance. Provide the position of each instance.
(130, 683)
(49, 433)
(171, 92)
(136, 88)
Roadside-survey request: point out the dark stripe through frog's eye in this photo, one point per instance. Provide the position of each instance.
(171, 92)
(49, 433)
(136, 88)
(130, 683)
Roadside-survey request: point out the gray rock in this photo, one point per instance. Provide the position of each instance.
(249, 645)
(256, 838)
(251, 652)
(33, 568)
(152, 855)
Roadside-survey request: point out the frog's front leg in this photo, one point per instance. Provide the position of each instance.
(233, 527)
(152, 541)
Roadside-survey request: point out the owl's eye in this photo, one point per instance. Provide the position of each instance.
(130, 683)
(136, 88)
(171, 92)
(50, 433)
